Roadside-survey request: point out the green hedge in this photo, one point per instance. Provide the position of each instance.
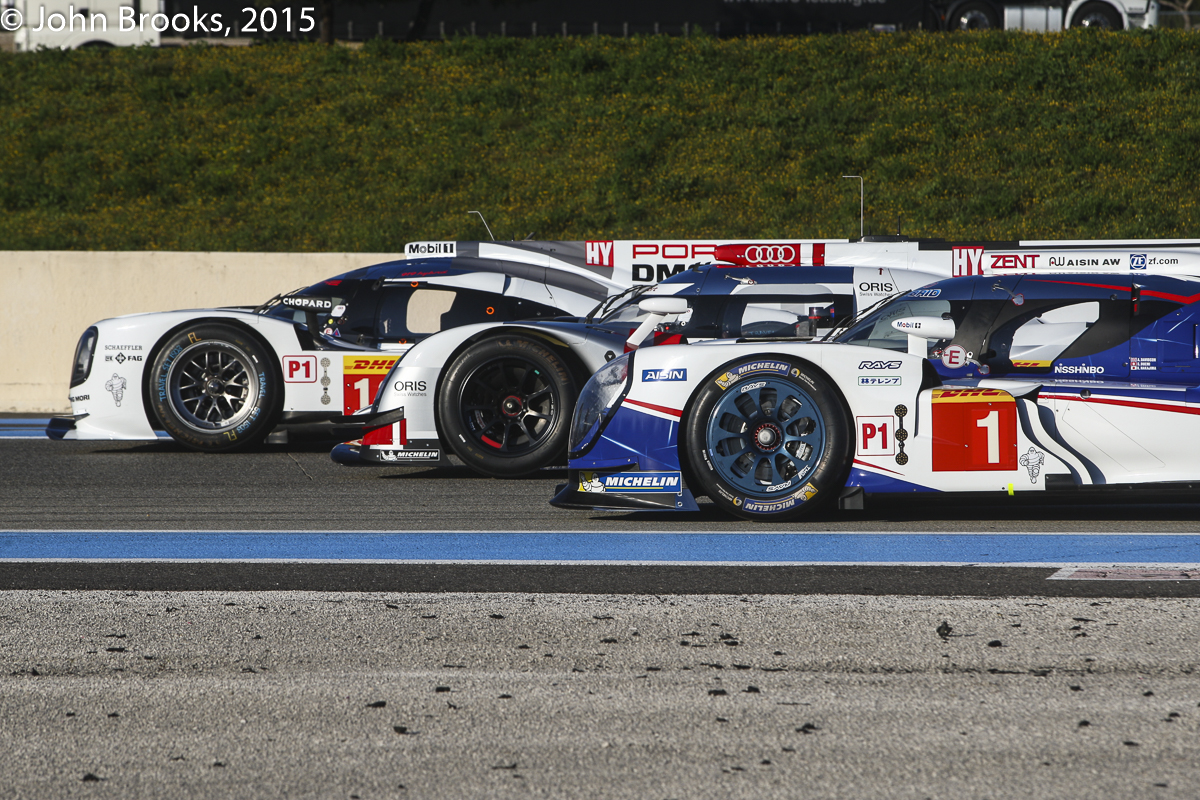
(305, 148)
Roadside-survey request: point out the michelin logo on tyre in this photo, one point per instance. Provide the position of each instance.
(737, 373)
(806, 493)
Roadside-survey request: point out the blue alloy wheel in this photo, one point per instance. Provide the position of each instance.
(769, 439)
(765, 435)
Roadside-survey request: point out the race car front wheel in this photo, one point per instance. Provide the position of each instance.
(505, 406)
(769, 439)
(214, 388)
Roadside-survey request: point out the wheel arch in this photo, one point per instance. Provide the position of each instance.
(560, 348)
(952, 8)
(685, 464)
(1069, 11)
(152, 356)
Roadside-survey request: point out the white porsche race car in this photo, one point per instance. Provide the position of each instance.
(222, 378)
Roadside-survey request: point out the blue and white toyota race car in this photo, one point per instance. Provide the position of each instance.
(499, 396)
(979, 384)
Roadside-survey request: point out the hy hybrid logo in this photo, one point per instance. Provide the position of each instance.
(652, 375)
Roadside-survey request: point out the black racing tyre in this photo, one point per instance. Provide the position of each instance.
(769, 439)
(974, 16)
(1099, 16)
(505, 406)
(214, 388)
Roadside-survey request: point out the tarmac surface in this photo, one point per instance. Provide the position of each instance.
(343, 678)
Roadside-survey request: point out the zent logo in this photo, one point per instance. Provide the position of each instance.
(300, 369)
(652, 375)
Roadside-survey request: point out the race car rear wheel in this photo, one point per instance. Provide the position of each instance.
(505, 406)
(769, 440)
(214, 388)
(1097, 16)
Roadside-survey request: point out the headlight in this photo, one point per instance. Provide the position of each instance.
(601, 394)
(83, 356)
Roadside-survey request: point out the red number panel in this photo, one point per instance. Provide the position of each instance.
(974, 429)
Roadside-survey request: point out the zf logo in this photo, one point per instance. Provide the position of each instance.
(879, 365)
(1137, 261)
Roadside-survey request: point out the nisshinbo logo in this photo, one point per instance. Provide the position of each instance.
(652, 375)
(1073, 369)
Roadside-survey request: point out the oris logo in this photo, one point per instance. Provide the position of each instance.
(770, 254)
(870, 286)
(879, 365)
(410, 386)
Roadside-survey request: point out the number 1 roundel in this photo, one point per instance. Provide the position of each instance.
(974, 429)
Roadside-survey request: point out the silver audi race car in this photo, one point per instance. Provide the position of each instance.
(500, 396)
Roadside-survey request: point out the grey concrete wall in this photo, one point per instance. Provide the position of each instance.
(50, 297)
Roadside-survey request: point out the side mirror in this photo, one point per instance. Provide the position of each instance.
(658, 308)
(664, 305)
(924, 329)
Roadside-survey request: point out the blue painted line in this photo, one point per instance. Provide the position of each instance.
(35, 428)
(23, 427)
(1051, 549)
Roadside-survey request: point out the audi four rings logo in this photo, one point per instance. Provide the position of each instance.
(770, 254)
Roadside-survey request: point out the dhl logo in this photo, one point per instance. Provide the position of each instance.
(1030, 364)
(356, 365)
(971, 396)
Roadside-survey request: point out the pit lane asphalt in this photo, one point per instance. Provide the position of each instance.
(159, 486)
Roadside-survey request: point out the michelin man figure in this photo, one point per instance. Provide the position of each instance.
(117, 386)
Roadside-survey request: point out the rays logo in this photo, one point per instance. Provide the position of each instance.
(652, 375)
(879, 365)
